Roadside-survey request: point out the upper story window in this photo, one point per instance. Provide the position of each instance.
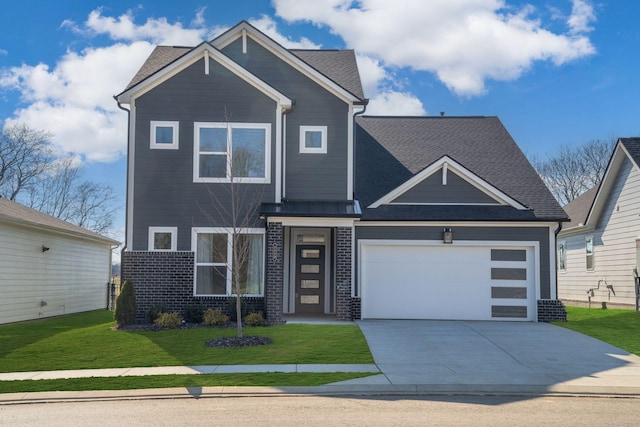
(313, 139)
(589, 252)
(164, 135)
(163, 238)
(562, 256)
(226, 151)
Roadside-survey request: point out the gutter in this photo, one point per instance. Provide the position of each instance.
(555, 248)
(126, 202)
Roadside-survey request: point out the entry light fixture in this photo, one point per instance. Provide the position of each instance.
(447, 235)
(44, 248)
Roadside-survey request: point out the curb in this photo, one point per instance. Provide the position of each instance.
(528, 391)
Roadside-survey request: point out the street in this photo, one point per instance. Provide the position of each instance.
(327, 411)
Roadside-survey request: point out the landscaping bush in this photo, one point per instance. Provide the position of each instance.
(194, 313)
(254, 319)
(125, 312)
(154, 311)
(231, 308)
(215, 317)
(169, 320)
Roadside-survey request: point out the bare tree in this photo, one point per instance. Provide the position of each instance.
(572, 170)
(25, 154)
(31, 174)
(236, 204)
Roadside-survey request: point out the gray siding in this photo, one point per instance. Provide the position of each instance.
(535, 234)
(164, 191)
(614, 252)
(308, 176)
(457, 190)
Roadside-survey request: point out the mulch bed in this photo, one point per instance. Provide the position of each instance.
(236, 342)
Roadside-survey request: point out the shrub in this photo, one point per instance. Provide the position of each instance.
(169, 320)
(194, 313)
(125, 312)
(231, 308)
(154, 311)
(254, 319)
(215, 317)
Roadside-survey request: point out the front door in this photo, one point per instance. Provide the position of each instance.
(310, 279)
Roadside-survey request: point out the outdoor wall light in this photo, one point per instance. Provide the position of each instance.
(447, 235)
(44, 248)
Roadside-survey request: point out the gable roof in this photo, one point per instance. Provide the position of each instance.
(578, 209)
(392, 150)
(206, 51)
(11, 211)
(626, 148)
(160, 57)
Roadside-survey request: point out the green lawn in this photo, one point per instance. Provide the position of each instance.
(86, 340)
(620, 328)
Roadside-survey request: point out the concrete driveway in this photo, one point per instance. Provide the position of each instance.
(496, 356)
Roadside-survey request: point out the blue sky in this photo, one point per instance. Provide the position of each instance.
(555, 72)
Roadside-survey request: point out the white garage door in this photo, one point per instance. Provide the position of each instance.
(408, 280)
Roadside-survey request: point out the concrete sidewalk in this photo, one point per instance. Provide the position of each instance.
(186, 370)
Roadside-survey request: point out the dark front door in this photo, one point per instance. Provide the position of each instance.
(310, 279)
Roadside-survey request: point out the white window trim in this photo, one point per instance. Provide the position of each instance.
(174, 238)
(152, 135)
(562, 243)
(323, 147)
(230, 126)
(593, 252)
(229, 232)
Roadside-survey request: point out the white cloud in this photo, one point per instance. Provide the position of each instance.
(394, 103)
(464, 43)
(270, 28)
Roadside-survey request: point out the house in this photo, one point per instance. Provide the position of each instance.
(49, 267)
(599, 249)
(356, 216)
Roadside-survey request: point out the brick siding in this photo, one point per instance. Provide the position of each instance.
(343, 273)
(275, 273)
(551, 310)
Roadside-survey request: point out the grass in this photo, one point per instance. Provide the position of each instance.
(620, 328)
(87, 341)
(275, 379)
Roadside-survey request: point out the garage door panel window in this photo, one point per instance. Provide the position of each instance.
(511, 311)
(508, 273)
(508, 292)
(508, 255)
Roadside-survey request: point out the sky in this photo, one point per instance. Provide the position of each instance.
(554, 71)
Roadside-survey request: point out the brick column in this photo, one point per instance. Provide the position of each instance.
(343, 273)
(275, 272)
(550, 310)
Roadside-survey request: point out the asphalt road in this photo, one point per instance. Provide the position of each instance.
(329, 411)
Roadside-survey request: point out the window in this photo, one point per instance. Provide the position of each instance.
(562, 256)
(589, 252)
(313, 139)
(223, 151)
(163, 238)
(214, 261)
(164, 135)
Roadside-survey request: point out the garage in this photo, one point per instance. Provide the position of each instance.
(422, 280)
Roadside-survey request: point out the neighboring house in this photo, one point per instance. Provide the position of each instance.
(599, 249)
(359, 217)
(49, 267)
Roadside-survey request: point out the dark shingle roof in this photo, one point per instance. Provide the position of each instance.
(159, 58)
(321, 209)
(633, 147)
(578, 209)
(339, 65)
(15, 212)
(390, 150)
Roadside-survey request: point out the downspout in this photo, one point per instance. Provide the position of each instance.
(283, 195)
(126, 203)
(355, 143)
(555, 248)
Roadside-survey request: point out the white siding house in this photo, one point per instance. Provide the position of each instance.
(49, 267)
(598, 250)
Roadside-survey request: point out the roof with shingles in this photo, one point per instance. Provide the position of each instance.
(578, 209)
(632, 145)
(390, 150)
(17, 213)
(338, 65)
